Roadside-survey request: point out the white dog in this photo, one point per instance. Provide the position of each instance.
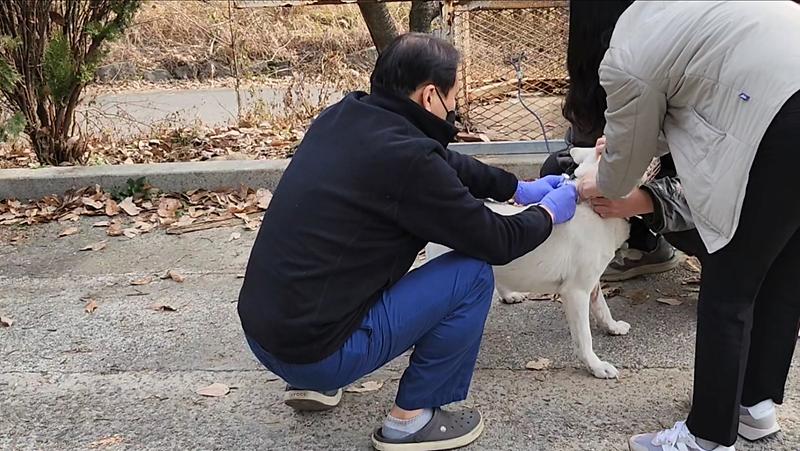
(570, 263)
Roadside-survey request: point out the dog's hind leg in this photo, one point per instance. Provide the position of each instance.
(576, 306)
(510, 297)
(602, 314)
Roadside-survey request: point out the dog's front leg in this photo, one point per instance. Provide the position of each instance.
(576, 306)
(603, 316)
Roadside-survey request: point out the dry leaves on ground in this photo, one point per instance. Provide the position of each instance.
(129, 207)
(6, 322)
(142, 280)
(190, 144)
(100, 245)
(691, 280)
(365, 387)
(538, 364)
(68, 231)
(108, 441)
(611, 291)
(693, 264)
(174, 275)
(541, 297)
(144, 211)
(90, 306)
(214, 390)
(160, 307)
(670, 301)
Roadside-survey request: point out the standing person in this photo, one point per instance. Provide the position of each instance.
(327, 297)
(721, 81)
(658, 207)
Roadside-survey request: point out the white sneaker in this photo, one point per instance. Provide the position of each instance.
(676, 439)
(759, 421)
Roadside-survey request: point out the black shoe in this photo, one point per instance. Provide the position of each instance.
(630, 263)
(309, 400)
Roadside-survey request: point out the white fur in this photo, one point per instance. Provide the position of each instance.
(570, 263)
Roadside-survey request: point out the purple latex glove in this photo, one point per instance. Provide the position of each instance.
(533, 192)
(561, 202)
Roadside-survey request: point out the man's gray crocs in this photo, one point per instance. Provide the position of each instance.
(309, 400)
(446, 430)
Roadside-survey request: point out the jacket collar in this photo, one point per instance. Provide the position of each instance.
(427, 122)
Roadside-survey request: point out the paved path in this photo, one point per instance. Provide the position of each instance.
(130, 113)
(129, 374)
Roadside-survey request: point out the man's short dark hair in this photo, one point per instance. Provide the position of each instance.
(415, 59)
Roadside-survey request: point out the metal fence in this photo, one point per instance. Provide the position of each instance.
(513, 75)
(513, 66)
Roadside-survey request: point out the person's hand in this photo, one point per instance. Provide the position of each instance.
(600, 146)
(533, 192)
(561, 203)
(587, 185)
(638, 202)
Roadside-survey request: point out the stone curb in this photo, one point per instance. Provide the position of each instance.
(27, 184)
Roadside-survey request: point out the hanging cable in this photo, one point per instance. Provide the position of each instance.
(516, 63)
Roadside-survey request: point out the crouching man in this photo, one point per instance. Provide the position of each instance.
(328, 298)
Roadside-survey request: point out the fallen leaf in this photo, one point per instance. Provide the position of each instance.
(164, 308)
(252, 225)
(538, 364)
(112, 208)
(610, 291)
(142, 281)
(167, 207)
(129, 207)
(144, 227)
(264, 197)
(693, 289)
(692, 280)
(669, 301)
(95, 246)
(6, 322)
(115, 229)
(100, 224)
(91, 306)
(184, 220)
(131, 232)
(89, 202)
(174, 275)
(693, 264)
(68, 231)
(108, 441)
(235, 236)
(214, 390)
(368, 386)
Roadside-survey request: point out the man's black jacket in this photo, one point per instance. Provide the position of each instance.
(371, 183)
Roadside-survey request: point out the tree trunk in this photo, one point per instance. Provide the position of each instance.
(422, 14)
(380, 23)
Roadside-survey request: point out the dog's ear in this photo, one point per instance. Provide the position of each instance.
(580, 154)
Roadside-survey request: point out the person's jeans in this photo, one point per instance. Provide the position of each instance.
(439, 309)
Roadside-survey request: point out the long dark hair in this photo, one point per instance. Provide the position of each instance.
(591, 24)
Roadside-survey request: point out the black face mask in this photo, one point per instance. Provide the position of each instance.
(451, 114)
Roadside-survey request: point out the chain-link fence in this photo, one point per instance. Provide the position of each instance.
(513, 68)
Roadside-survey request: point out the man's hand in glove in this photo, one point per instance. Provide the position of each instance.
(533, 192)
